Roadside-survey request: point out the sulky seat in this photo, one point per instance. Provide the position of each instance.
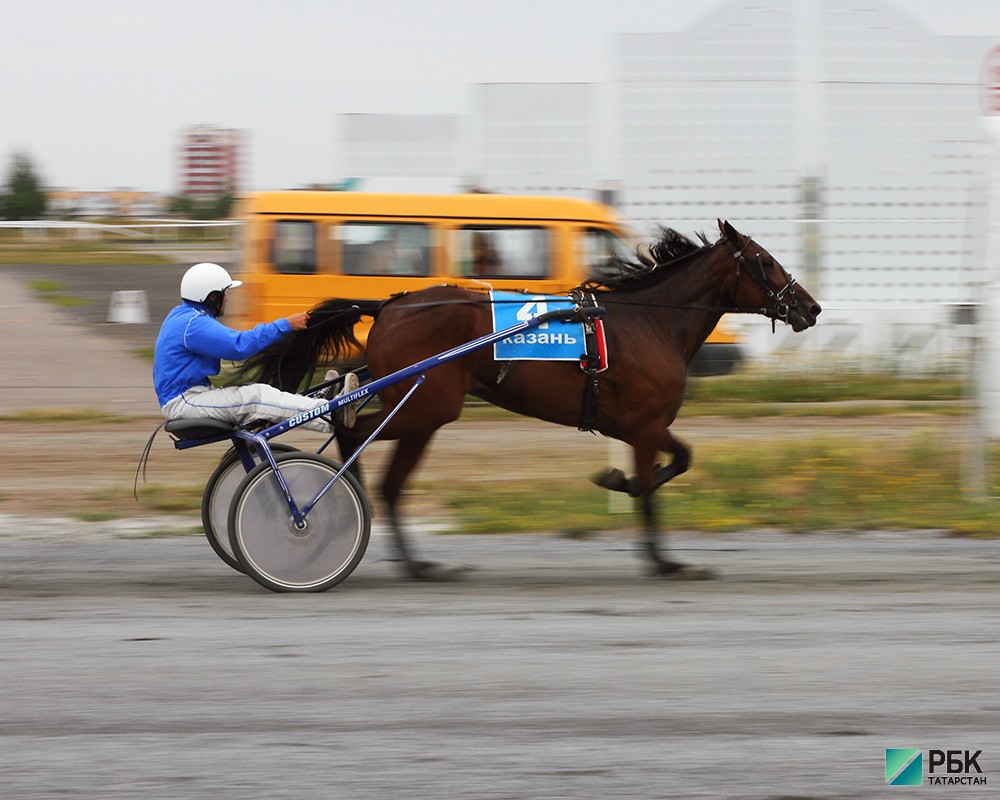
(189, 429)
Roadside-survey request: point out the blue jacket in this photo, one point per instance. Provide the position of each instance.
(192, 343)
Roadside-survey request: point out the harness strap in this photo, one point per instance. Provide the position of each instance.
(591, 394)
(593, 361)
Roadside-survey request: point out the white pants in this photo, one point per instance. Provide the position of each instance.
(241, 404)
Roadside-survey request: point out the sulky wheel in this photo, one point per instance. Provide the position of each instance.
(267, 543)
(218, 497)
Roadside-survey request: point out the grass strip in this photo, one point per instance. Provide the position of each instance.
(52, 292)
(74, 416)
(81, 258)
(809, 484)
(757, 386)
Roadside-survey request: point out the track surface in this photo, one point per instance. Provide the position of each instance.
(148, 668)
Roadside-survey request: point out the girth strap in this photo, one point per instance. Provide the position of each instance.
(591, 393)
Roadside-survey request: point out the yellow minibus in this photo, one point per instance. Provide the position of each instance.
(301, 247)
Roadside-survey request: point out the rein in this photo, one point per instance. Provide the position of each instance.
(784, 299)
(605, 300)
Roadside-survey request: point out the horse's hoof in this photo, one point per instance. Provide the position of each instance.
(432, 572)
(613, 479)
(683, 572)
(420, 570)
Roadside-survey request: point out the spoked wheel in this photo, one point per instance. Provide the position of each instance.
(280, 556)
(219, 493)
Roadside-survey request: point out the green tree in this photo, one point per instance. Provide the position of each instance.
(223, 205)
(215, 207)
(181, 205)
(23, 196)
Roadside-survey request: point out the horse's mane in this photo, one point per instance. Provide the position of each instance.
(652, 262)
(329, 336)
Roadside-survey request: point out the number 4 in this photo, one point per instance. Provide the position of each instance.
(524, 312)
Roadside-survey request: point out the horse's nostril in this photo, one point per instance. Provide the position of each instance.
(815, 309)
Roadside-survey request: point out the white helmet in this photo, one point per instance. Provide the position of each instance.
(203, 279)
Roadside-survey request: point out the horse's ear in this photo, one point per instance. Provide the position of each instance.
(728, 231)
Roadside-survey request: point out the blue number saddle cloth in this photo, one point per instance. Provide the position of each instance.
(550, 341)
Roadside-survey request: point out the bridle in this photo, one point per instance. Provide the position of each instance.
(784, 299)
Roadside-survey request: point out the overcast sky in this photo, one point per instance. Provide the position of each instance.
(96, 91)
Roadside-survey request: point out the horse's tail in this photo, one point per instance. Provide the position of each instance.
(290, 363)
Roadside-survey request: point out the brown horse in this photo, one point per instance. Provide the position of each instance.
(659, 311)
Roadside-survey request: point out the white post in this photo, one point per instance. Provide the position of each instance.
(989, 373)
(128, 306)
(620, 456)
(985, 357)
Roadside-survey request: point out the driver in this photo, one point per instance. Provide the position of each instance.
(192, 343)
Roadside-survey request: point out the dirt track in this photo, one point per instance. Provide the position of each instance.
(59, 358)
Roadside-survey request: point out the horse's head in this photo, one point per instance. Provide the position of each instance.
(771, 289)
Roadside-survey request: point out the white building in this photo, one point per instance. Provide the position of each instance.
(838, 133)
(848, 121)
(404, 152)
(537, 138)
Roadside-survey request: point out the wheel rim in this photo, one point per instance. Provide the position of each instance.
(220, 492)
(222, 496)
(281, 556)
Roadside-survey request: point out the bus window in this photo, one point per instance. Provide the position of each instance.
(600, 248)
(295, 247)
(503, 252)
(380, 249)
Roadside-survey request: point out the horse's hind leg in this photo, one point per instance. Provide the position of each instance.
(348, 442)
(407, 455)
(404, 460)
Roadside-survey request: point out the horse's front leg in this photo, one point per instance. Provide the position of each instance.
(641, 487)
(680, 462)
(647, 479)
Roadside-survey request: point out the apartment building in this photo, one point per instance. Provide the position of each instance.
(209, 161)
